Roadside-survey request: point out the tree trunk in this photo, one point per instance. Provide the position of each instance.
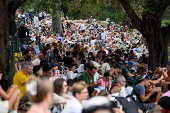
(56, 23)
(4, 34)
(158, 49)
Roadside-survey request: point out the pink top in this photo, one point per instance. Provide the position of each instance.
(166, 94)
(102, 82)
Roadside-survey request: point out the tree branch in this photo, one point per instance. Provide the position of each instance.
(14, 5)
(132, 15)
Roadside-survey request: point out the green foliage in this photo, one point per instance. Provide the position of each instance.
(165, 23)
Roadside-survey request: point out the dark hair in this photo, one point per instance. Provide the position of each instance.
(58, 86)
(83, 61)
(46, 68)
(68, 53)
(70, 65)
(43, 63)
(164, 102)
(36, 68)
(26, 51)
(86, 65)
(55, 50)
(91, 68)
(106, 74)
(47, 45)
(141, 70)
(70, 82)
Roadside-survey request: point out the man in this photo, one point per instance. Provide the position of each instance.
(70, 73)
(21, 77)
(87, 76)
(103, 36)
(117, 85)
(45, 49)
(80, 93)
(106, 66)
(67, 60)
(139, 91)
(142, 72)
(47, 71)
(54, 58)
(127, 73)
(27, 55)
(22, 32)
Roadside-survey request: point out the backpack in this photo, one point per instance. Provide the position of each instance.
(128, 103)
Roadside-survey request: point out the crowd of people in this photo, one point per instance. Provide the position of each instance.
(92, 68)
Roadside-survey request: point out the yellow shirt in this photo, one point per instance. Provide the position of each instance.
(19, 79)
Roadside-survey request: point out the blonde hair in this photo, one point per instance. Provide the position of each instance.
(43, 88)
(78, 87)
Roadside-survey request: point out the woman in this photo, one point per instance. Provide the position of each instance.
(40, 94)
(37, 71)
(59, 96)
(12, 98)
(18, 64)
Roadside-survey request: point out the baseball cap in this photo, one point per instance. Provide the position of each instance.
(130, 63)
(145, 77)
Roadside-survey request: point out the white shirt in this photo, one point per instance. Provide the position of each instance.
(92, 42)
(96, 76)
(80, 69)
(103, 36)
(69, 75)
(105, 67)
(73, 106)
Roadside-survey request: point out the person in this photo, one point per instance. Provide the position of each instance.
(81, 69)
(103, 36)
(104, 82)
(98, 104)
(37, 71)
(164, 101)
(70, 83)
(80, 93)
(118, 85)
(142, 72)
(139, 91)
(38, 60)
(166, 83)
(59, 96)
(40, 94)
(105, 66)
(159, 75)
(87, 77)
(67, 60)
(70, 73)
(27, 55)
(46, 71)
(45, 49)
(127, 73)
(19, 64)
(21, 77)
(54, 58)
(23, 32)
(11, 96)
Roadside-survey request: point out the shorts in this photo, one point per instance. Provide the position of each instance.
(147, 106)
(4, 105)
